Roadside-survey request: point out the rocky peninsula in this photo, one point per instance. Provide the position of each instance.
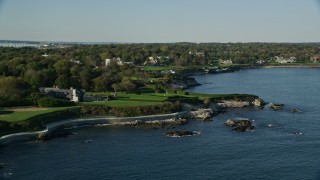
(190, 111)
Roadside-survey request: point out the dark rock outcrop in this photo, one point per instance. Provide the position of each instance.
(240, 125)
(181, 133)
(276, 106)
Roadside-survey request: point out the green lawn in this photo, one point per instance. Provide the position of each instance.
(157, 68)
(146, 99)
(12, 115)
(162, 68)
(130, 100)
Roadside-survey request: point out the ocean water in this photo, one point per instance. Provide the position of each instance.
(284, 145)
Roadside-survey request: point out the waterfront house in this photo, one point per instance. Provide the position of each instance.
(315, 59)
(260, 62)
(283, 60)
(71, 94)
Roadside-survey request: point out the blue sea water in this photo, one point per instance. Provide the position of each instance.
(289, 149)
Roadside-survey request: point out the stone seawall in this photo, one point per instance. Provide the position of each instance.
(25, 136)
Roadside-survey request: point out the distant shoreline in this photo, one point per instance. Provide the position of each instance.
(293, 66)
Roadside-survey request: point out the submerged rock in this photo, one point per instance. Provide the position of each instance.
(240, 125)
(181, 133)
(276, 106)
(296, 110)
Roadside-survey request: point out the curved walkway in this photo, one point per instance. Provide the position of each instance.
(89, 121)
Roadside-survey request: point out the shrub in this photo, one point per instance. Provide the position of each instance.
(183, 99)
(54, 102)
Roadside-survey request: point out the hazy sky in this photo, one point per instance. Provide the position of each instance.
(161, 20)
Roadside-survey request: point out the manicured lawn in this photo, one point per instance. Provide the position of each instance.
(146, 99)
(157, 68)
(130, 100)
(21, 114)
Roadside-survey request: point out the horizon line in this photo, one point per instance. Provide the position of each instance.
(174, 42)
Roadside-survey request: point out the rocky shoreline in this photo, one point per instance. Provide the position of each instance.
(191, 112)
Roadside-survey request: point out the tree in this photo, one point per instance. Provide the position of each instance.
(13, 91)
(115, 87)
(101, 83)
(62, 67)
(127, 85)
(63, 81)
(86, 76)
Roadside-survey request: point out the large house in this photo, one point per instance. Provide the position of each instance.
(118, 60)
(228, 61)
(151, 62)
(71, 94)
(76, 95)
(315, 59)
(283, 60)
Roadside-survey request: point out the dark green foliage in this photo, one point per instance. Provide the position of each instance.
(238, 97)
(183, 99)
(33, 98)
(164, 108)
(94, 110)
(54, 102)
(13, 91)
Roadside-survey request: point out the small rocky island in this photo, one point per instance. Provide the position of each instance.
(240, 124)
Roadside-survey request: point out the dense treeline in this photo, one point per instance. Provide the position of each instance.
(84, 66)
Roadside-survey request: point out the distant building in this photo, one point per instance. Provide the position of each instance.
(45, 55)
(118, 60)
(283, 60)
(229, 61)
(151, 62)
(75, 61)
(108, 61)
(260, 62)
(315, 59)
(168, 72)
(199, 54)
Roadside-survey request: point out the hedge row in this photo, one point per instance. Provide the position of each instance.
(54, 102)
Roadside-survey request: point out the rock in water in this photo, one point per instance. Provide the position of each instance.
(241, 125)
(276, 106)
(230, 123)
(296, 110)
(181, 133)
(202, 114)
